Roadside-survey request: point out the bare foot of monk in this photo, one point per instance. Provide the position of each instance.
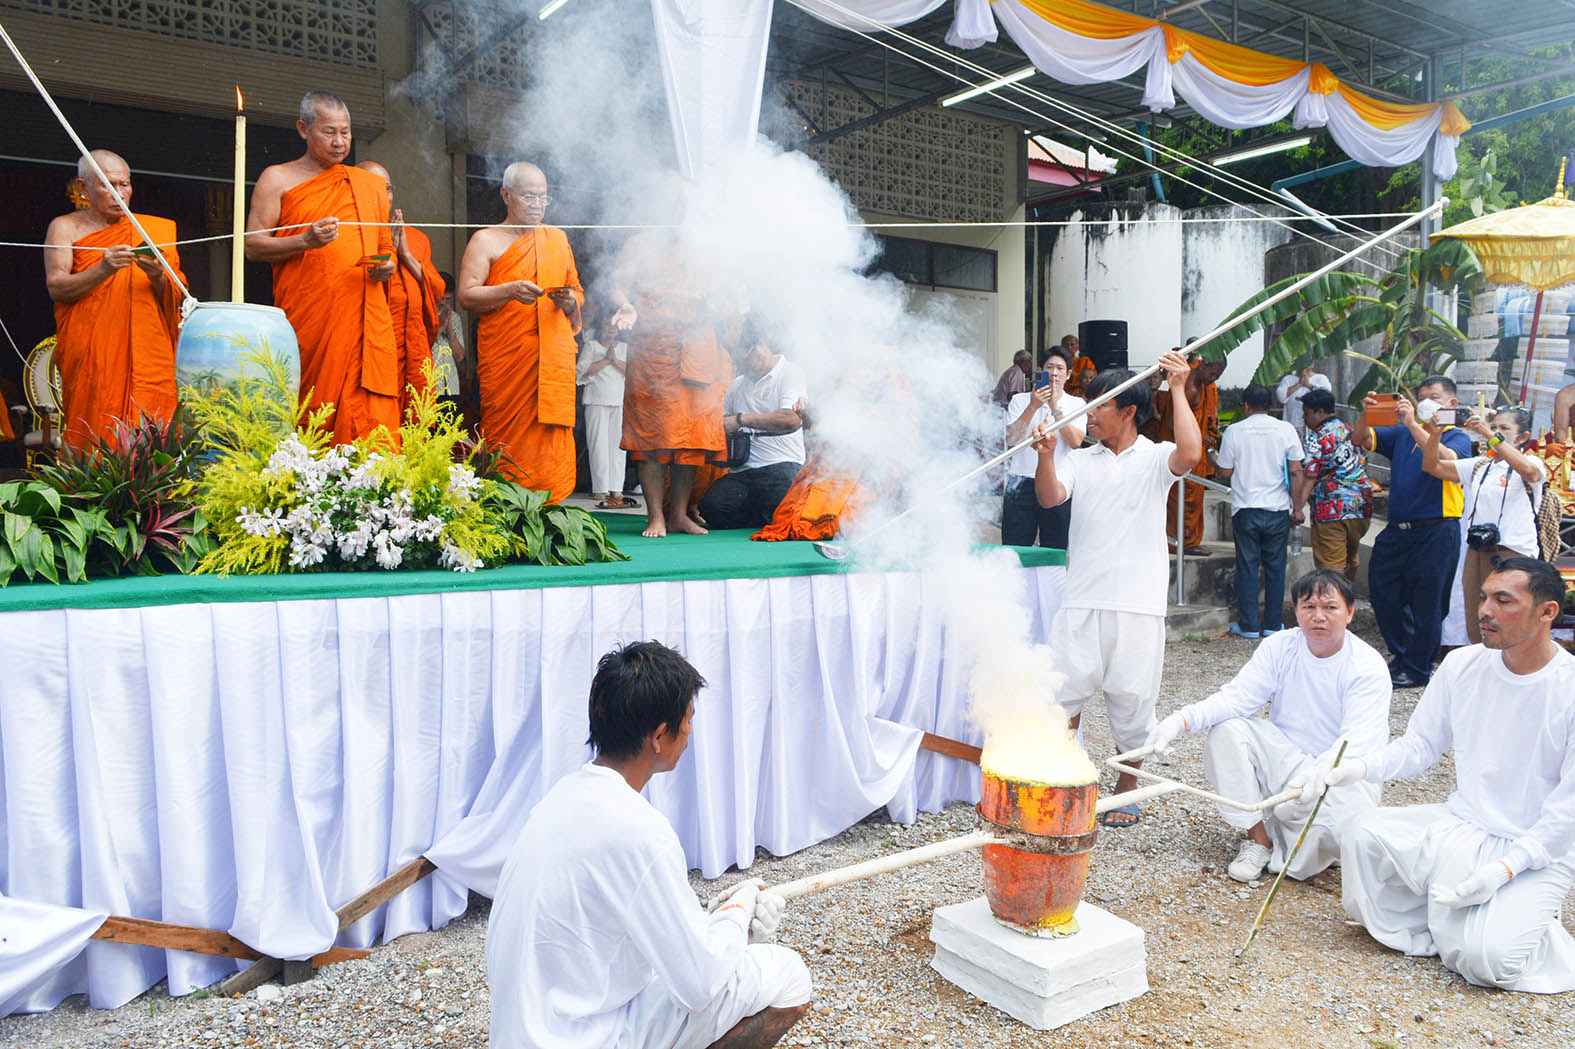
(683, 523)
(655, 527)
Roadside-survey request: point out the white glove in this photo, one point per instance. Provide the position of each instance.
(1300, 807)
(743, 894)
(768, 915)
(1479, 888)
(1328, 774)
(1162, 735)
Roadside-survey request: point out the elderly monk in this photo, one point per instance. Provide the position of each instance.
(414, 292)
(116, 311)
(521, 278)
(1204, 396)
(1083, 369)
(329, 281)
(677, 375)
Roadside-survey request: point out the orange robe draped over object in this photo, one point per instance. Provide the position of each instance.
(1082, 370)
(525, 364)
(1207, 412)
(677, 375)
(349, 357)
(413, 305)
(115, 346)
(816, 507)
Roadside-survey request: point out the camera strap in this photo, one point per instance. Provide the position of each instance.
(1478, 476)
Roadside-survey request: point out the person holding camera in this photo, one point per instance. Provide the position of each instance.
(1502, 492)
(1023, 521)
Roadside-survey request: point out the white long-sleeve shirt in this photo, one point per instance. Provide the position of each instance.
(1514, 740)
(1315, 701)
(592, 906)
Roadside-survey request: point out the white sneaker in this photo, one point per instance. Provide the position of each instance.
(1249, 862)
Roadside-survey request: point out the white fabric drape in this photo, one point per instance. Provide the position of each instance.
(39, 949)
(869, 14)
(251, 766)
(713, 55)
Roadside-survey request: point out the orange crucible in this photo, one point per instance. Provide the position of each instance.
(1035, 889)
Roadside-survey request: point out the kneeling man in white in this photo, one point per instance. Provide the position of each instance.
(596, 940)
(1323, 684)
(1480, 880)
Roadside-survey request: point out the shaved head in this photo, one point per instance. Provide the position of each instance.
(375, 168)
(521, 172)
(110, 162)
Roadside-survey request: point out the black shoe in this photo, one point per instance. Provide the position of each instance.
(1406, 679)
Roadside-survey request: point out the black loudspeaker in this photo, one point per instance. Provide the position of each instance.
(1104, 343)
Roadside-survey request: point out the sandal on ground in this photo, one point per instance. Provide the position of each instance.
(1126, 810)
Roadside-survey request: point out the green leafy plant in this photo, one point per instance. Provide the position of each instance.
(1341, 309)
(44, 537)
(548, 535)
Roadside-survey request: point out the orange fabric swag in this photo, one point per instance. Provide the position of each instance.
(413, 305)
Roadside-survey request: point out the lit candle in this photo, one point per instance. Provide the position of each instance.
(238, 237)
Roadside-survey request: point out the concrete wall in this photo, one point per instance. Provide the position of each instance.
(1222, 265)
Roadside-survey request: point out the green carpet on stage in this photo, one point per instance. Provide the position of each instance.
(720, 555)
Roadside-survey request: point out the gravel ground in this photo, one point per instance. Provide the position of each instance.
(1310, 979)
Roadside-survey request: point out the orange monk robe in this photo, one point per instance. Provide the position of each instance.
(1207, 413)
(115, 346)
(816, 507)
(1082, 371)
(413, 304)
(349, 356)
(525, 364)
(677, 375)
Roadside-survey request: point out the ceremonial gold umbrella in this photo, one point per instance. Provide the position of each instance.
(1532, 245)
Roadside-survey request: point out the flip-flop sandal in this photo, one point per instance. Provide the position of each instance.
(608, 504)
(1128, 810)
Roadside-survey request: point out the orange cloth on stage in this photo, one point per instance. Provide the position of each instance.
(525, 364)
(1207, 412)
(413, 305)
(1082, 371)
(115, 346)
(349, 357)
(816, 507)
(677, 375)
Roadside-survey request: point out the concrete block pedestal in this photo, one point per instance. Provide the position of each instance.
(1044, 982)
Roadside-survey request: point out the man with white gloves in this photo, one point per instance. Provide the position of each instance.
(1480, 880)
(596, 940)
(1323, 684)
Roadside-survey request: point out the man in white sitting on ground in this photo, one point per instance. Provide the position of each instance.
(1261, 457)
(1292, 389)
(1480, 880)
(766, 401)
(1109, 633)
(1323, 684)
(596, 939)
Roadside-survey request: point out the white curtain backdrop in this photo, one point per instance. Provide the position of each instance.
(250, 767)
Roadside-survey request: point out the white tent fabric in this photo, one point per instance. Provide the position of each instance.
(713, 55)
(249, 767)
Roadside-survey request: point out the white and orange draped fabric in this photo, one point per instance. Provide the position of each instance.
(1073, 41)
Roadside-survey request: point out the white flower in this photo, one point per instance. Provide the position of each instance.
(455, 558)
(463, 482)
(388, 554)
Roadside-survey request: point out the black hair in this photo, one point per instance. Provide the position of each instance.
(1437, 380)
(1542, 579)
(1057, 351)
(1137, 395)
(1257, 397)
(1323, 581)
(1522, 417)
(1319, 400)
(637, 689)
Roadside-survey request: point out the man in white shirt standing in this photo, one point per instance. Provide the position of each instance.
(766, 401)
(1261, 457)
(596, 940)
(599, 371)
(1023, 521)
(1480, 880)
(1109, 633)
(1290, 392)
(1323, 684)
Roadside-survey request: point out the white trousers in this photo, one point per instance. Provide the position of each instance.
(1249, 759)
(1515, 940)
(603, 432)
(768, 976)
(1121, 653)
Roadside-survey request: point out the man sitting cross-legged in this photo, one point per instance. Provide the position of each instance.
(1480, 880)
(596, 939)
(1323, 684)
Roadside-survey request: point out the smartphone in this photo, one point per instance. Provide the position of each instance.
(1451, 416)
(1041, 378)
(144, 250)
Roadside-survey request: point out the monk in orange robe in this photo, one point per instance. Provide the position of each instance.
(521, 278)
(677, 375)
(1083, 368)
(117, 314)
(329, 281)
(414, 292)
(1204, 396)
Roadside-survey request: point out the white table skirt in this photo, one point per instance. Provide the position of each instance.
(250, 767)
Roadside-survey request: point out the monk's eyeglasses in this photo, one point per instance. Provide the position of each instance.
(535, 198)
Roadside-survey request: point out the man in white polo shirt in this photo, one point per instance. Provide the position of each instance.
(1023, 521)
(1262, 459)
(765, 401)
(1110, 631)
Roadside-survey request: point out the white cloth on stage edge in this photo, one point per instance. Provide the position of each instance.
(40, 945)
(1122, 653)
(1392, 856)
(1250, 759)
(594, 907)
(250, 766)
(1118, 520)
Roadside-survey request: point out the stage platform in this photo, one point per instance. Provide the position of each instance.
(249, 754)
